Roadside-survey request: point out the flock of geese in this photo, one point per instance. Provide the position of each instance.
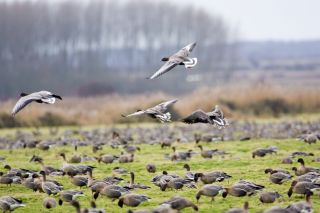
(306, 182)
(160, 111)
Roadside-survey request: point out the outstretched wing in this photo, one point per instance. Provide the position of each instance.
(22, 102)
(163, 107)
(134, 114)
(185, 51)
(169, 65)
(198, 116)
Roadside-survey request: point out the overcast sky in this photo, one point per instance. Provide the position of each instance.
(264, 19)
(268, 19)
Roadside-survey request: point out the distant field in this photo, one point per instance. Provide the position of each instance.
(239, 164)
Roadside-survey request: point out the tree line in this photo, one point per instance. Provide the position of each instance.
(70, 45)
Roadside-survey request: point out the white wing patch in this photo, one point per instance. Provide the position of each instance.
(48, 100)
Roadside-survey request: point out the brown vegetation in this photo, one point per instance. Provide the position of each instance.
(236, 101)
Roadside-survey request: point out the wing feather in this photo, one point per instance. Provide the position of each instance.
(163, 107)
(169, 65)
(21, 103)
(134, 114)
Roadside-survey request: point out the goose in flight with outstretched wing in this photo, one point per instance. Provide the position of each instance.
(158, 112)
(179, 58)
(39, 97)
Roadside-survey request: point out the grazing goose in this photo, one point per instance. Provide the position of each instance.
(302, 187)
(278, 177)
(210, 190)
(126, 158)
(49, 170)
(302, 206)
(210, 177)
(39, 97)
(106, 158)
(9, 204)
(69, 195)
(303, 169)
(276, 209)
(73, 170)
(269, 197)
(242, 188)
(133, 185)
(119, 170)
(180, 203)
(310, 138)
(49, 187)
(163, 179)
(173, 183)
(261, 152)
(111, 191)
(151, 168)
(179, 58)
(215, 117)
(132, 200)
(93, 209)
(269, 170)
(166, 143)
(300, 153)
(245, 209)
(29, 182)
(49, 203)
(131, 149)
(189, 175)
(157, 112)
(79, 181)
(180, 155)
(287, 160)
(5, 179)
(164, 208)
(309, 177)
(207, 153)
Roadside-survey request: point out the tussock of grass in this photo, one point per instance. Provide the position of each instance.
(239, 164)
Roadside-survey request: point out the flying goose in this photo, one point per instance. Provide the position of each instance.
(179, 58)
(157, 112)
(39, 97)
(215, 117)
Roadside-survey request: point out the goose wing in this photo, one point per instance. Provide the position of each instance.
(185, 51)
(162, 107)
(198, 116)
(135, 114)
(24, 101)
(169, 65)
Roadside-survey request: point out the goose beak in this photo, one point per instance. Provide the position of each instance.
(57, 96)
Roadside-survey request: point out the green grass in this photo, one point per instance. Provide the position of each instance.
(239, 164)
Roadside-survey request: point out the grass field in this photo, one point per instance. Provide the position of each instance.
(239, 164)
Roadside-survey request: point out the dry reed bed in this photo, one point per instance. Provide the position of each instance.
(236, 101)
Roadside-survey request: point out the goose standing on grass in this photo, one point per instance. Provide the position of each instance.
(158, 112)
(39, 97)
(179, 58)
(215, 117)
